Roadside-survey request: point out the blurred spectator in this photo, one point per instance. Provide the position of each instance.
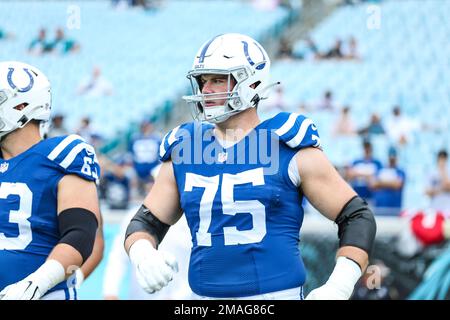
(387, 187)
(344, 124)
(308, 49)
(362, 172)
(40, 44)
(335, 52)
(350, 50)
(57, 127)
(87, 132)
(116, 181)
(97, 140)
(62, 44)
(312, 47)
(374, 127)
(144, 148)
(400, 127)
(95, 85)
(438, 188)
(285, 49)
(139, 3)
(119, 4)
(144, 4)
(341, 50)
(327, 102)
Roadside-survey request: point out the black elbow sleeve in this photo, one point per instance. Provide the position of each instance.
(145, 220)
(77, 228)
(356, 225)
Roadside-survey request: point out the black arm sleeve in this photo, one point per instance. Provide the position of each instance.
(356, 225)
(78, 227)
(144, 220)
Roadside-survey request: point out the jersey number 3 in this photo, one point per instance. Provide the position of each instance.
(232, 235)
(19, 217)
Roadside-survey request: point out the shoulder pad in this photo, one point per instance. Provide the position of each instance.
(295, 130)
(75, 156)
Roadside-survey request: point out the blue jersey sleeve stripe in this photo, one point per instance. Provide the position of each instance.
(298, 138)
(74, 152)
(287, 125)
(62, 145)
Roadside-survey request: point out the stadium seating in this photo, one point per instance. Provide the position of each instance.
(405, 61)
(145, 55)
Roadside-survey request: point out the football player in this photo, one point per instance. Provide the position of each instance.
(243, 208)
(49, 211)
(144, 150)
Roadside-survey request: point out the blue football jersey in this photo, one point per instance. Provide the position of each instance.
(242, 208)
(144, 149)
(359, 184)
(28, 202)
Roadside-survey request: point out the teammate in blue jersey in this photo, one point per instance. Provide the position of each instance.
(144, 150)
(49, 210)
(240, 182)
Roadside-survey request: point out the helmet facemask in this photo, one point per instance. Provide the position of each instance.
(233, 102)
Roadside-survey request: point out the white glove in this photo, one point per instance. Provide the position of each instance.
(36, 284)
(341, 283)
(154, 268)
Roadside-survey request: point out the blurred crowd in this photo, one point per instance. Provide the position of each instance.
(380, 182)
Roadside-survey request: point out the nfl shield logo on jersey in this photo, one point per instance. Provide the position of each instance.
(3, 167)
(222, 157)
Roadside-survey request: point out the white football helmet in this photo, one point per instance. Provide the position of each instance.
(21, 83)
(237, 56)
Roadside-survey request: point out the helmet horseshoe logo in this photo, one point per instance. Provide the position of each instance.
(262, 64)
(11, 83)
